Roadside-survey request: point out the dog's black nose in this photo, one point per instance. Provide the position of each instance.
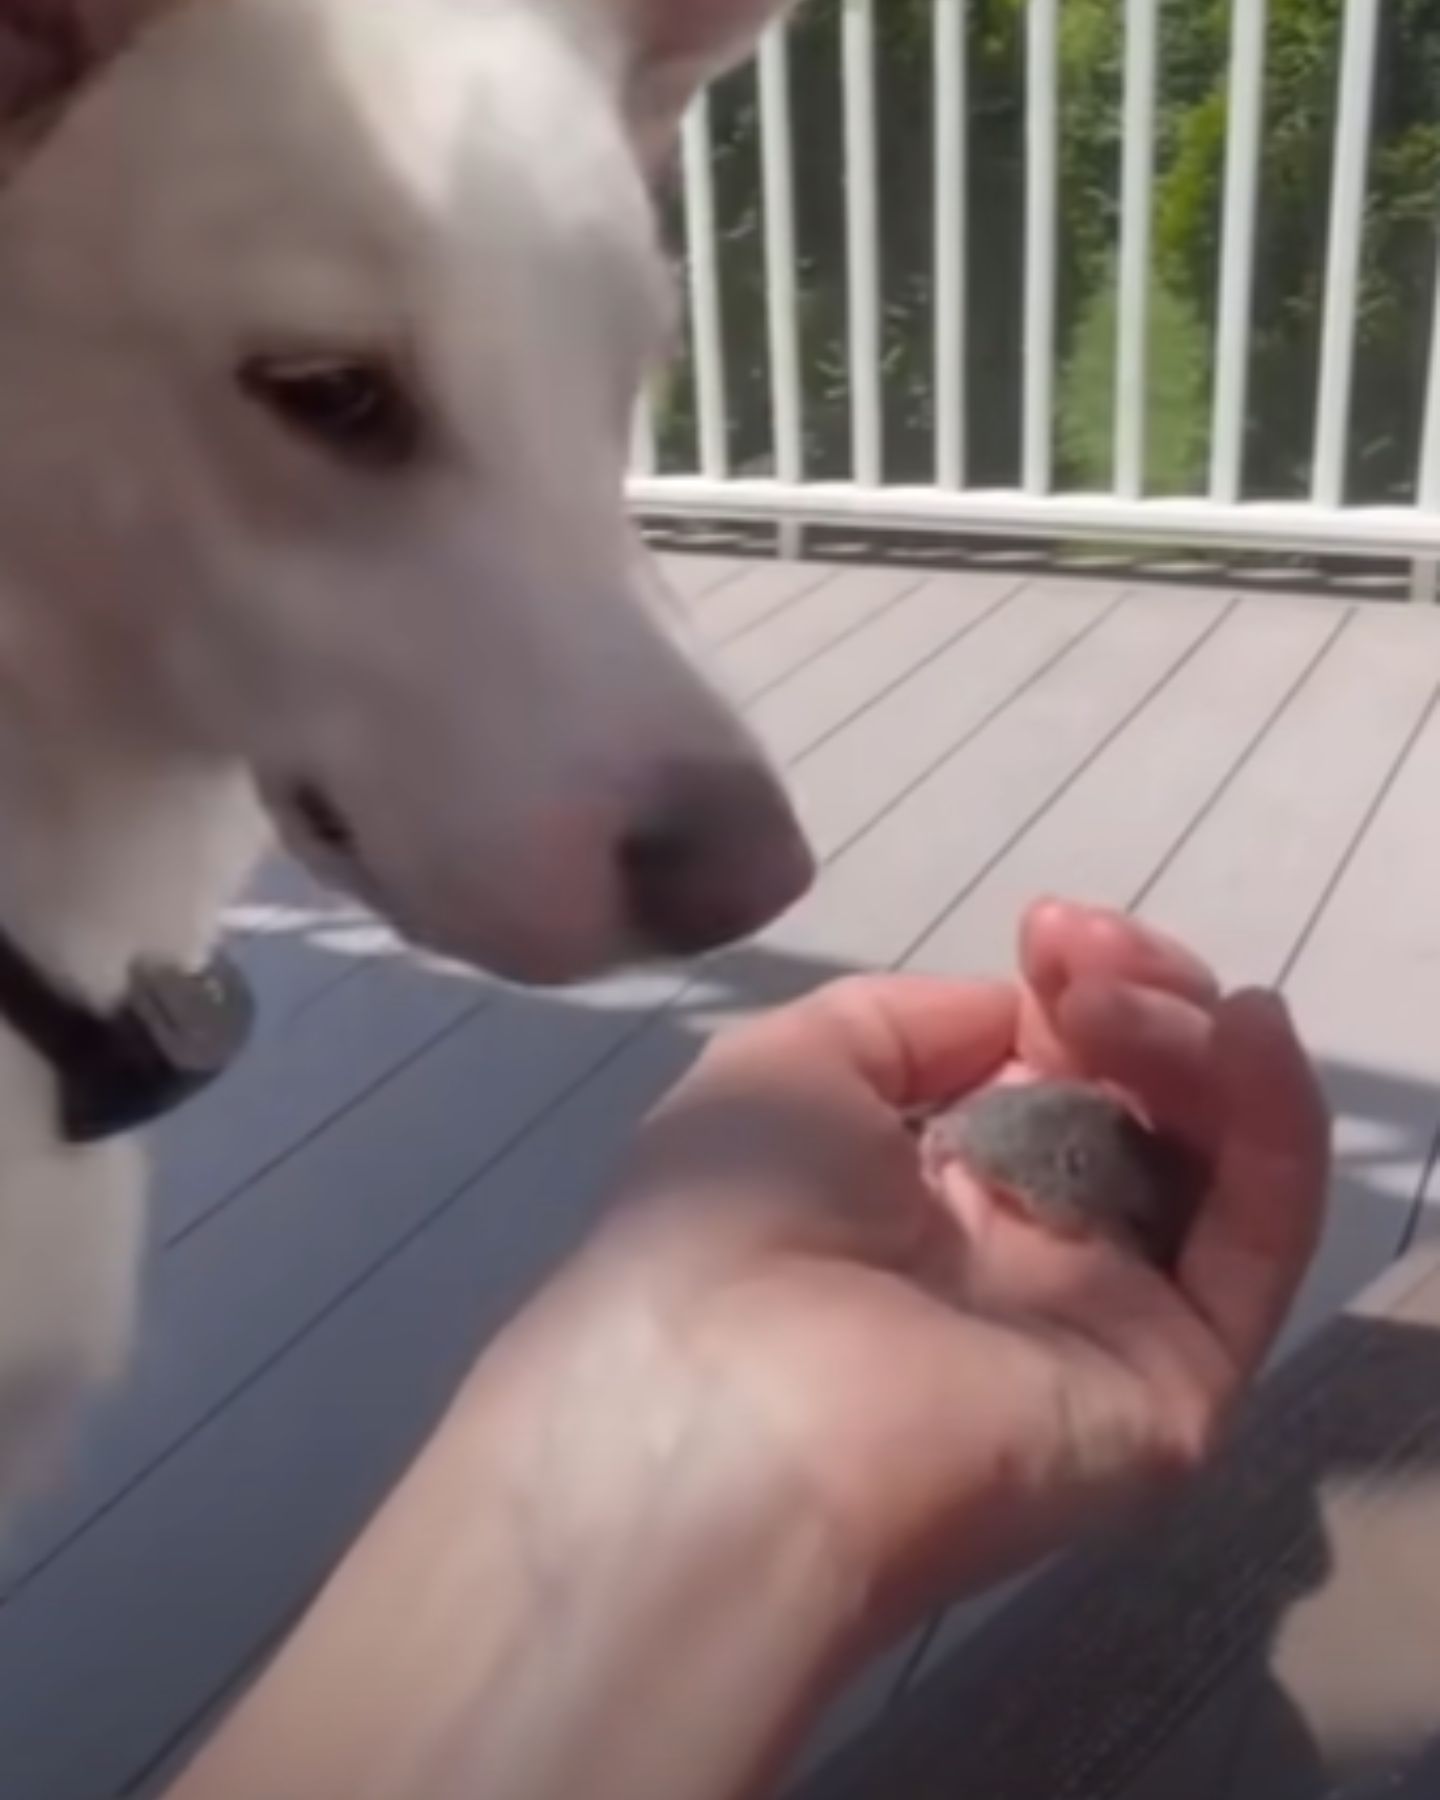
(717, 860)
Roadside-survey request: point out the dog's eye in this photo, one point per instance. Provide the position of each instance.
(359, 410)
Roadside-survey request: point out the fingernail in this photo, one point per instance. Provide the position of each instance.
(1047, 908)
(1262, 999)
(1265, 1007)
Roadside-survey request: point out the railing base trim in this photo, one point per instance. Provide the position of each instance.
(1271, 527)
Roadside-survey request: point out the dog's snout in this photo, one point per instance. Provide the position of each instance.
(717, 859)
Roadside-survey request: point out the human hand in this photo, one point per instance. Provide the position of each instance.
(791, 1395)
(959, 1390)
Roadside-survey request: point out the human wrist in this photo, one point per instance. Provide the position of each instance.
(595, 1580)
(697, 1603)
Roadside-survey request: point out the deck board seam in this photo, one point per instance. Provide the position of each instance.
(1327, 895)
(751, 626)
(727, 577)
(318, 1129)
(1342, 867)
(362, 968)
(1247, 754)
(1008, 598)
(1072, 776)
(977, 729)
(851, 632)
(248, 1665)
(1416, 1215)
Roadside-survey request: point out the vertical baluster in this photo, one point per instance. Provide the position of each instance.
(702, 248)
(1347, 221)
(644, 454)
(1237, 249)
(1042, 216)
(1429, 477)
(1137, 211)
(1426, 571)
(951, 234)
(777, 144)
(863, 223)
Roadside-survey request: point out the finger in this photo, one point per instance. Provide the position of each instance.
(1061, 943)
(1012, 1266)
(916, 1040)
(1158, 1050)
(1255, 1236)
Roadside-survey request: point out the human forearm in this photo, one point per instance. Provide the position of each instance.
(591, 1583)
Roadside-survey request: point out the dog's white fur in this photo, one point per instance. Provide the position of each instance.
(194, 605)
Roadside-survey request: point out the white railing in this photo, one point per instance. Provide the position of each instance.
(1321, 521)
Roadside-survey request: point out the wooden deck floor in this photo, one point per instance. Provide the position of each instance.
(408, 1150)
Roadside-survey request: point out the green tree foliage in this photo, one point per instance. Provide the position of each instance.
(1398, 275)
(1177, 393)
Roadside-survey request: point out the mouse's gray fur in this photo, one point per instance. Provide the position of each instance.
(1078, 1159)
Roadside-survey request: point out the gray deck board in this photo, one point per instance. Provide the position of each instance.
(691, 578)
(778, 646)
(733, 608)
(1284, 881)
(409, 1150)
(1367, 986)
(1104, 837)
(330, 1059)
(845, 784)
(886, 891)
(1245, 883)
(807, 709)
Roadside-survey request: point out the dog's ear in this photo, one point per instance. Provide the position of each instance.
(675, 47)
(49, 48)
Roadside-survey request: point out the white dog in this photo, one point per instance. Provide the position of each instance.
(321, 323)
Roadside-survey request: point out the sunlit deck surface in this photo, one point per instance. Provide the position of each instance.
(407, 1149)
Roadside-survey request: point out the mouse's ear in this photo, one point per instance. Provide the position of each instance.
(676, 46)
(49, 48)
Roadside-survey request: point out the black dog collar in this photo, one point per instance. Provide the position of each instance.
(175, 1032)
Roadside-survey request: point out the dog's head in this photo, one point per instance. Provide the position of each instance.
(321, 324)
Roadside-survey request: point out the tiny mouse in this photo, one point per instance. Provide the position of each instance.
(1076, 1159)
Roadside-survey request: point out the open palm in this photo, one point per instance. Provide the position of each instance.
(961, 1390)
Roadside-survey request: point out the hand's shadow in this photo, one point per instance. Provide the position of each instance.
(1160, 1668)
